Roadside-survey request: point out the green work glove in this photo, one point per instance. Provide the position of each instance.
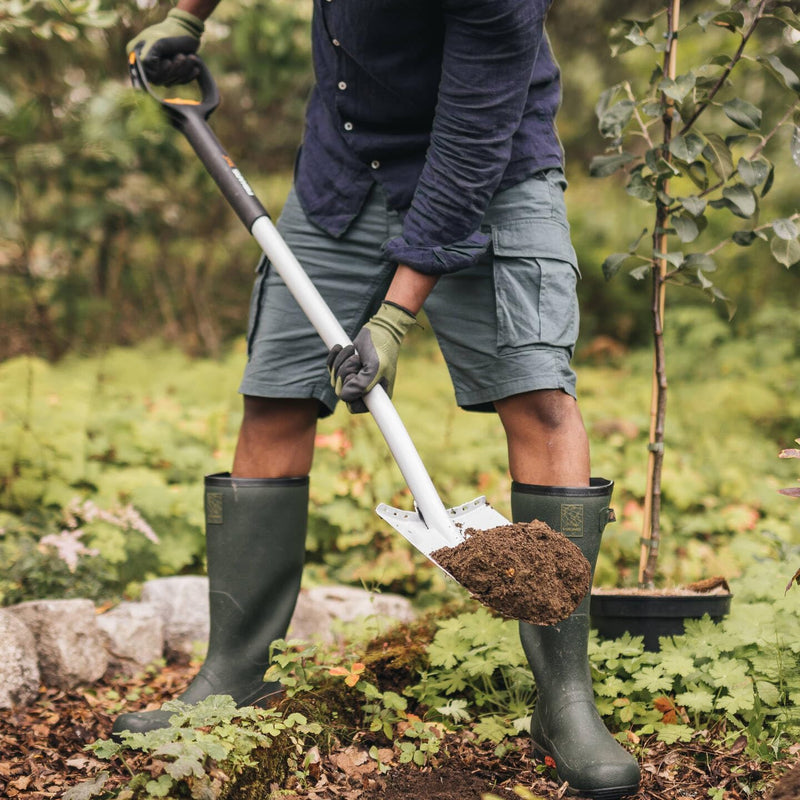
(372, 358)
(167, 49)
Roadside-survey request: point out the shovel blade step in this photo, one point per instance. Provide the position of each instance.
(476, 514)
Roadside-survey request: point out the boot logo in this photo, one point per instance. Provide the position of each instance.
(572, 519)
(214, 508)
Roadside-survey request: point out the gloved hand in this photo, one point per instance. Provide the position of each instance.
(166, 49)
(372, 358)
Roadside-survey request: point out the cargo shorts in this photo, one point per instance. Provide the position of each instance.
(506, 325)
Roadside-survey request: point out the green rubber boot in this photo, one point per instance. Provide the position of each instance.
(255, 546)
(566, 724)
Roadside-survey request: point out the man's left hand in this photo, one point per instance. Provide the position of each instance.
(372, 358)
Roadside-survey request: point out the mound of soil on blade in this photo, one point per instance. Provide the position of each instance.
(524, 571)
(788, 787)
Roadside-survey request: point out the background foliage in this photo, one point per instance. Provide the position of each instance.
(139, 427)
(101, 203)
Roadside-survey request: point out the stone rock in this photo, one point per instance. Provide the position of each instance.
(321, 607)
(182, 603)
(69, 645)
(133, 634)
(19, 670)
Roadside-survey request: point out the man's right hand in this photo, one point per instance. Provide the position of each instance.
(167, 49)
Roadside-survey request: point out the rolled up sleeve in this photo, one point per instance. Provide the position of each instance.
(489, 52)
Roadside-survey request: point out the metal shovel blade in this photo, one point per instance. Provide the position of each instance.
(410, 525)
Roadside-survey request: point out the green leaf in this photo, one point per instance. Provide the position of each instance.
(658, 164)
(641, 187)
(702, 262)
(718, 154)
(743, 113)
(674, 733)
(678, 88)
(740, 698)
(686, 148)
(785, 251)
(769, 181)
(740, 200)
(603, 166)
(653, 679)
(768, 693)
(698, 174)
(627, 34)
(693, 204)
(743, 238)
(685, 227)
(725, 19)
(752, 172)
(785, 229)
(613, 120)
(699, 700)
(161, 787)
(612, 264)
(787, 76)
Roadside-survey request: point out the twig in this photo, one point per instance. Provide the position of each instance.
(735, 58)
(638, 116)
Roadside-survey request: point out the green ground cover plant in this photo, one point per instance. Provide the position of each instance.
(732, 685)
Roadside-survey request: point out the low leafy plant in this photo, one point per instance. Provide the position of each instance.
(477, 675)
(383, 713)
(206, 747)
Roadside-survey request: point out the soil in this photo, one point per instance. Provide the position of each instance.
(451, 779)
(41, 755)
(523, 571)
(708, 586)
(788, 787)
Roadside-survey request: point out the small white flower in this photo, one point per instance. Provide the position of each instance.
(68, 546)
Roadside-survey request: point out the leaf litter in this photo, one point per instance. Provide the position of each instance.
(42, 755)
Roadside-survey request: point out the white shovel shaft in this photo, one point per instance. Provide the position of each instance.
(377, 401)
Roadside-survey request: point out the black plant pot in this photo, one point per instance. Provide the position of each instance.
(652, 615)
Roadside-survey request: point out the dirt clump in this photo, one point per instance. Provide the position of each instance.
(788, 787)
(524, 570)
(444, 782)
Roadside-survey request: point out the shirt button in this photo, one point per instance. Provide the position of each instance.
(335, 42)
(342, 85)
(348, 126)
(375, 164)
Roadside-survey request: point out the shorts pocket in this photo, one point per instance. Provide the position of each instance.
(535, 276)
(256, 300)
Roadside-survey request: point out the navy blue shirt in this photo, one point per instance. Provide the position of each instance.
(442, 102)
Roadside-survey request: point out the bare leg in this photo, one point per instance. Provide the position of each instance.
(547, 442)
(276, 439)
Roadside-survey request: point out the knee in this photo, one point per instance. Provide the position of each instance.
(544, 411)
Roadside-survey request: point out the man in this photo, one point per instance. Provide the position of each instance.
(430, 174)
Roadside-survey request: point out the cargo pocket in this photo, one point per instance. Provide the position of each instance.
(535, 276)
(256, 299)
